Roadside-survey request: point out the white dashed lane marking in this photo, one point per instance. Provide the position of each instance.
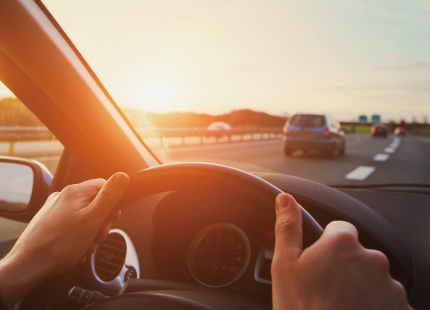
(381, 157)
(360, 173)
(393, 146)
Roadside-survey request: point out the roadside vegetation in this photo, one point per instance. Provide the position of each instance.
(14, 113)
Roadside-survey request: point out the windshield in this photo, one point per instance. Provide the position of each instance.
(307, 121)
(176, 67)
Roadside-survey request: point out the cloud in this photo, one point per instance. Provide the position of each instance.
(405, 67)
(418, 12)
(421, 87)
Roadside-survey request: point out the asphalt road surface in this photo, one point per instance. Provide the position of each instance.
(367, 160)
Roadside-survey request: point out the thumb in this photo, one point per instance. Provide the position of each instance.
(288, 228)
(109, 195)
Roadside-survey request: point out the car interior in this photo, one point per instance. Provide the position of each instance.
(156, 255)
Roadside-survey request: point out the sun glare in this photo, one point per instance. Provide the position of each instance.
(157, 94)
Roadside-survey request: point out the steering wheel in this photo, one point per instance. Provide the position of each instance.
(181, 176)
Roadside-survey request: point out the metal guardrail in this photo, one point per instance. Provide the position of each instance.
(24, 134)
(32, 134)
(262, 133)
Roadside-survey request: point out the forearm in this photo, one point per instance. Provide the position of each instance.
(17, 278)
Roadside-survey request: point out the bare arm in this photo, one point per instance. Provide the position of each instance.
(63, 233)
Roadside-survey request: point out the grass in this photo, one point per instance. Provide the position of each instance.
(361, 129)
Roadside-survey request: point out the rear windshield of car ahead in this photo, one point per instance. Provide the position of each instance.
(308, 121)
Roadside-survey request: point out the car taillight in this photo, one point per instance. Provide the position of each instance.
(286, 130)
(326, 133)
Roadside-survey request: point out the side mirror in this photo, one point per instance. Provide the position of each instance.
(24, 187)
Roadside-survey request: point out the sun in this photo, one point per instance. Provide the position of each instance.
(157, 95)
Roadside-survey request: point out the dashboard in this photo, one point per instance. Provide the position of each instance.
(216, 240)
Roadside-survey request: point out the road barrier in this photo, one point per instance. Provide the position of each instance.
(12, 135)
(233, 135)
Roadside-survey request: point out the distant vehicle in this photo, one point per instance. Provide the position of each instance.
(400, 131)
(316, 132)
(379, 130)
(375, 119)
(219, 126)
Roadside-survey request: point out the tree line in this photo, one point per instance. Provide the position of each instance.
(237, 119)
(14, 113)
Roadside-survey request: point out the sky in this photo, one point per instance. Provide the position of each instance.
(279, 56)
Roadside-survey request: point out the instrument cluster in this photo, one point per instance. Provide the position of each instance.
(215, 240)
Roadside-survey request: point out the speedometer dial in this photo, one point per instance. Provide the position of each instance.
(219, 255)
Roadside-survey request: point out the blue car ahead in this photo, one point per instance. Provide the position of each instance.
(314, 132)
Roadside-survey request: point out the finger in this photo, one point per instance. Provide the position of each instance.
(91, 249)
(114, 216)
(103, 232)
(340, 236)
(82, 260)
(288, 227)
(109, 196)
(339, 227)
(87, 190)
(94, 185)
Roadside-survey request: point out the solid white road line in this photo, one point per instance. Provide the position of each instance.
(389, 150)
(381, 157)
(360, 173)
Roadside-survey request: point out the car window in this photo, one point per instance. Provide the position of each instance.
(22, 134)
(308, 121)
(183, 65)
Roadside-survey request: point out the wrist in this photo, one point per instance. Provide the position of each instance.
(17, 278)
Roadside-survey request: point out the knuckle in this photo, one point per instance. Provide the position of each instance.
(285, 225)
(345, 240)
(108, 196)
(400, 293)
(380, 261)
(53, 195)
(70, 190)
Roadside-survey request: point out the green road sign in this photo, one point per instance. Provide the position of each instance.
(362, 119)
(376, 118)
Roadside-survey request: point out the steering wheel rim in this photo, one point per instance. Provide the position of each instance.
(185, 175)
(182, 176)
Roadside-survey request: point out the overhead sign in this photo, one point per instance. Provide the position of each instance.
(376, 118)
(362, 119)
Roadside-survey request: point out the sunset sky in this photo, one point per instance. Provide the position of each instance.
(344, 57)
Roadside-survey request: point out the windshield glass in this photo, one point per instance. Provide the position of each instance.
(307, 121)
(176, 67)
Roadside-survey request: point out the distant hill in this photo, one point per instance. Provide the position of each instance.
(14, 113)
(237, 119)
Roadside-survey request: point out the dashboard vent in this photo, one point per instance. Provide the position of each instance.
(110, 257)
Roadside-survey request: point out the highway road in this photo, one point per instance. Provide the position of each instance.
(367, 160)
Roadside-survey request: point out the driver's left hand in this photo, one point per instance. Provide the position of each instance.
(63, 233)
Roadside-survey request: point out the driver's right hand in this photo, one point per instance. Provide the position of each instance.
(336, 272)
